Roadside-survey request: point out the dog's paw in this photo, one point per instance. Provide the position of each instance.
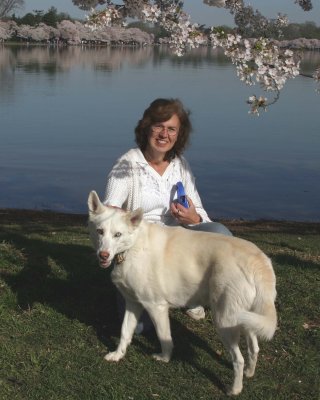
(233, 391)
(114, 356)
(161, 357)
(249, 372)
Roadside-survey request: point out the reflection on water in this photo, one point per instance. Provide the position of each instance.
(68, 113)
(52, 60)
(59, 59)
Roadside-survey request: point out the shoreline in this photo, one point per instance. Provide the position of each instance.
(27, 216)
(291, 44)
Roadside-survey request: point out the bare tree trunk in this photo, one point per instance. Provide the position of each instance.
(6, 6)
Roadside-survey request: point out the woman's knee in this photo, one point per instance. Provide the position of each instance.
(220, 228)
(214, 227)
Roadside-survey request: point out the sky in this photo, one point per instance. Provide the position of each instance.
(199, 12)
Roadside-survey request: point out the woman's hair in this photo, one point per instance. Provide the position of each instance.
(160, 110)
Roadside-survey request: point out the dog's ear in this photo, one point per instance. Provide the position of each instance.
(135, 217)
(94, 204)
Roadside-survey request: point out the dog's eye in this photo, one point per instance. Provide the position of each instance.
(118, 234)
(100, 231)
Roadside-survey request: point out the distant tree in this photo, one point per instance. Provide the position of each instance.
(309, 30)
(7, 6)
(50, 18)
(38, 15)
(27, 19)
(62, 16)
(7, 29)
(156, 30)
(292, 31)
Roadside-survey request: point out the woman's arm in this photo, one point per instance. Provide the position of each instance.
(192, 192)
(118, 184)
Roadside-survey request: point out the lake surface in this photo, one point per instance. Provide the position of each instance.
(67, 115)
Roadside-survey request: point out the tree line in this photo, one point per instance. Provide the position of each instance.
(307, 30)
(52, 17)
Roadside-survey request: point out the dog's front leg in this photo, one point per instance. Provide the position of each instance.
(160, 319)
(131, 316)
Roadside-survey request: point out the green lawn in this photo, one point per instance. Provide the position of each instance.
(58, 319)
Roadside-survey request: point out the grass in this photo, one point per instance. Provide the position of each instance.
(58, 319)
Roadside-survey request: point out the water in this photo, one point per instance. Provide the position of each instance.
(67, 115)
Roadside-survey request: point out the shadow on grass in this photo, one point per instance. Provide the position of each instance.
(83, 292)
(295, 262)
(187, 344)
(270, 226)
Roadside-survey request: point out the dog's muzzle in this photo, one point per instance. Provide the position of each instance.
(104, 259)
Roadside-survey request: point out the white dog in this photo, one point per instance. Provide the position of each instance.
(159, 267)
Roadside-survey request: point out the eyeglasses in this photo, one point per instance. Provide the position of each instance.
(158, 128)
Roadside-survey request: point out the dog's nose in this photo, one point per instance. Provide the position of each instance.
(103, 255)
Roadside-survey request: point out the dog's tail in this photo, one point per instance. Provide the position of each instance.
(262, 316)
(263, 326)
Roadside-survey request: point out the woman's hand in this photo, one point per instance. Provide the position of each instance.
(184, 215)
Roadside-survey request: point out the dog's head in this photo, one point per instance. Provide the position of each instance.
(112, 230)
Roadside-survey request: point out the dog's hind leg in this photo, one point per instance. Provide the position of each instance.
(130, 320)
(253, 351)
(230, 337)
(160, 319)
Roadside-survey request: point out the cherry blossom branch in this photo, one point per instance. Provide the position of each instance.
(256, 60)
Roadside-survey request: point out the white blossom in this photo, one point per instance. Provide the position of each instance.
(257, 104)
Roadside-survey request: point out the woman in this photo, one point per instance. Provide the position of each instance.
(146, 176)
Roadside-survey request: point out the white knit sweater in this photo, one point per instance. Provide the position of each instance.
(133, 183)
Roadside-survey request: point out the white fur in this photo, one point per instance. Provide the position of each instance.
(175, 267)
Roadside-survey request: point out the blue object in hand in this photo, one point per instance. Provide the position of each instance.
(182, 198)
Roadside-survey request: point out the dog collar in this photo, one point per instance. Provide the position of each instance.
(119, 258)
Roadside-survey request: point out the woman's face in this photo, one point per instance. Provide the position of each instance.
(163, 135)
